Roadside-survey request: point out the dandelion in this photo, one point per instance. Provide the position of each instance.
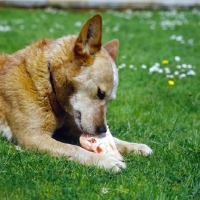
(104, 190)
(170, 82)
(165, 62)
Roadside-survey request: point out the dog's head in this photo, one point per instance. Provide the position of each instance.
(91, 77)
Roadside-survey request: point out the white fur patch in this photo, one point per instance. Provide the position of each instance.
(7, 133)
(115, 79)
(18, 148)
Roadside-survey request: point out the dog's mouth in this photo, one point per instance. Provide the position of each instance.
(89, 129)
(98, 143)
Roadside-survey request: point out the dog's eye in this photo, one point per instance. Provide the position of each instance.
(101, 95)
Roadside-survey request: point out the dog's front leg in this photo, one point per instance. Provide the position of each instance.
(44, 143)
(126, 147)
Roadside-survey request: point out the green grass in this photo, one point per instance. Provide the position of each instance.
(147, 110)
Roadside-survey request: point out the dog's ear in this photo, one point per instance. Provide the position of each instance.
(89, 39)
(112, 48)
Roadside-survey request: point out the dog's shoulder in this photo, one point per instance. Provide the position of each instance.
(2, 60)
(41, 45)
(33, 51)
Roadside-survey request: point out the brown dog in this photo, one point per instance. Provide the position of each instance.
(60, 88)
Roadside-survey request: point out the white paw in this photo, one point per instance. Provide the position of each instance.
(143, 149)
(111, 161)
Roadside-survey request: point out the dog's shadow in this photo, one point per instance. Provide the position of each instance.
(62, 135)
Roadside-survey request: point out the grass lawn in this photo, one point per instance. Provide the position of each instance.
(158, 103)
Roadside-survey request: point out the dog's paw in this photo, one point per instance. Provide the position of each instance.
(111, 162)
(142, 149)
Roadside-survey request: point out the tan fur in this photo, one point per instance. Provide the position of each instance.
(49, 92)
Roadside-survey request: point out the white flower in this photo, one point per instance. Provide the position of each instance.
(157, 64)
(104, 190)
(116, 28)
(78, 24)
(191, 72)
(132, 67)
(178, 66)
(18, 21)
(21, 27)
(5, 28)
(143, 66)
(190, 41)
(170, 76)
(179, 38)
(124, 56)
(122, 65)
(182, 42)
(167, 70)
(173, 37)
(51, 30)
(153, 69)
(34, 26)
(177, 58)
(184, 65)
(107, 29)
(176, 73)
(182, 76)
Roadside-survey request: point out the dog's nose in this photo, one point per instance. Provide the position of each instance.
(101, 129)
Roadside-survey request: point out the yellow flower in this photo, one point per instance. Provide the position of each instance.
(165, 62)
(170, 82)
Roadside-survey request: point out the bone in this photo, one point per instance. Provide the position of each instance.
(102, 144)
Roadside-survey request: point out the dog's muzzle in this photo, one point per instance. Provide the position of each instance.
(101, 129)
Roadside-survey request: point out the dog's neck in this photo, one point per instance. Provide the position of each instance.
(52, 97)
(51, 79)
